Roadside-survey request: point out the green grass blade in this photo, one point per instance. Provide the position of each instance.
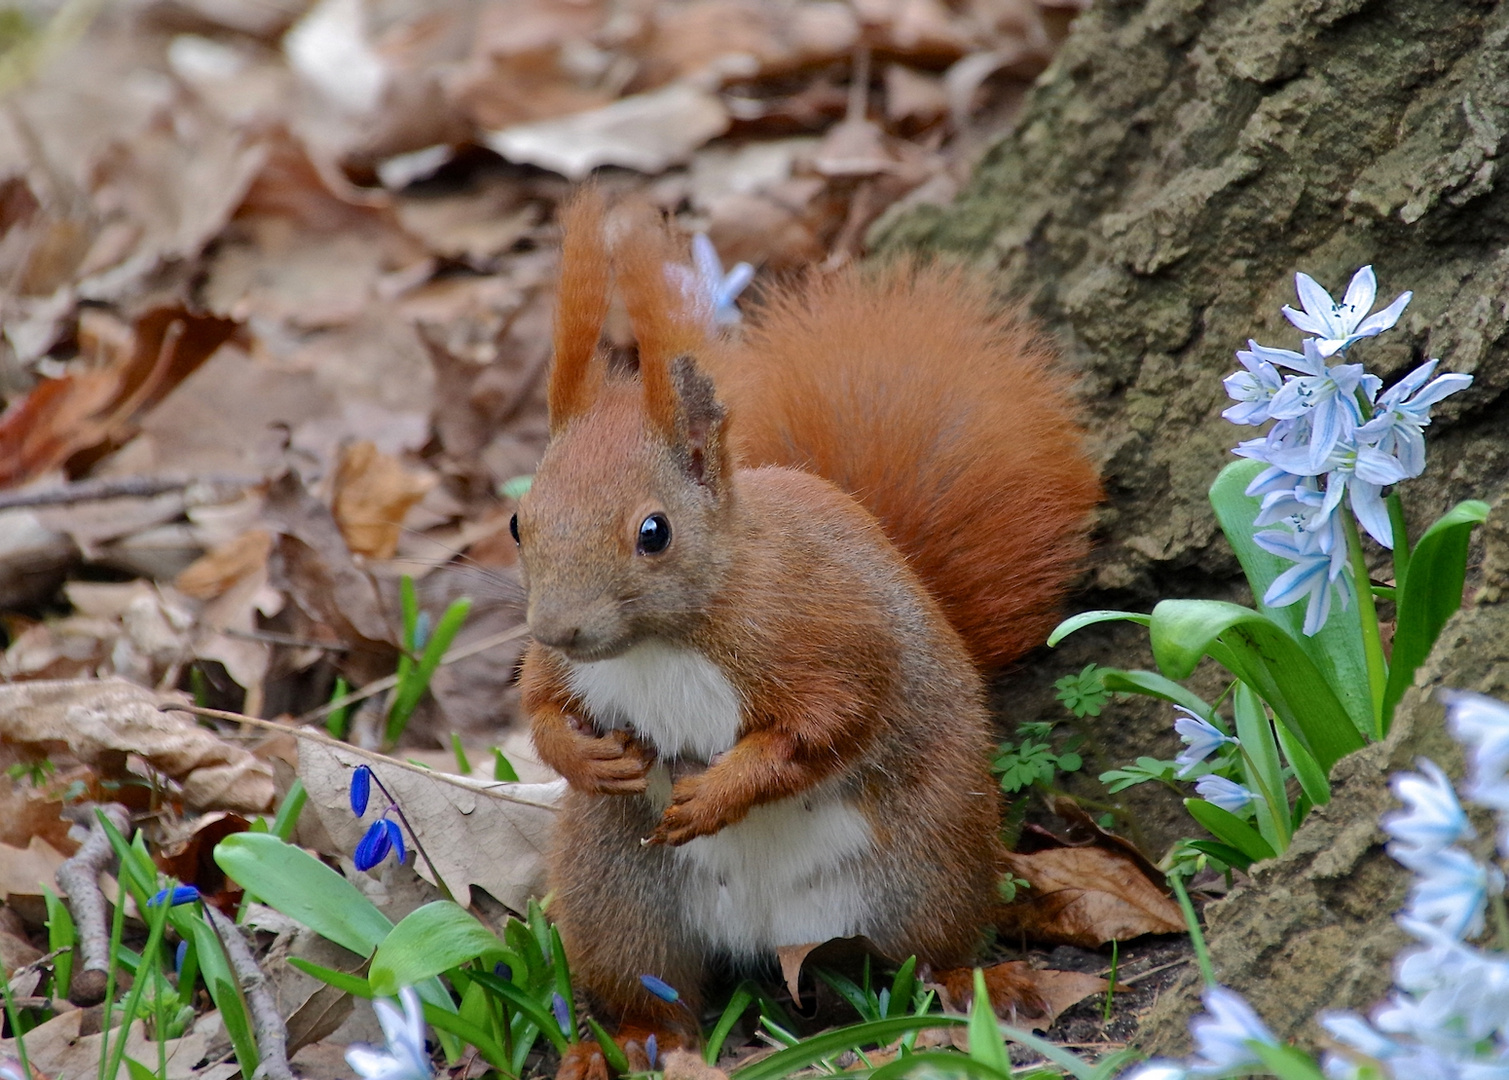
(538, 1014)
(809, 1051)
(738, 1003)
(1260, 765)
(938, 1063)
(985, 1043)
(1151, 684)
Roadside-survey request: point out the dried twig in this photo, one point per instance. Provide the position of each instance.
(267, 1025)
(79, 877)
(124, 487)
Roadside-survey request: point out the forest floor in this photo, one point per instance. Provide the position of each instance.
(275, 292)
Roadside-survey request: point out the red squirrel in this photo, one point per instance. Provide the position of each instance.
(764, 575)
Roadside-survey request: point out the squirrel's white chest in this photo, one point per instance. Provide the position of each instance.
(675, 698)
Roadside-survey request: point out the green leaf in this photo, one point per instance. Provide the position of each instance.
(1286, 1062)
(1152, 684)
(450, 1023)
(538, 1014)
(1312, 781)
(431, 939)
(225, 992)
(1260, 765)
(1090, 618)
(1224, 853)
(137, 1071)
(1336, 651)
(1264, 655)
(741, 999)
(503, 768)
(815, 1049)
(1229, 829)
(985, 1042)
(613, 1054)
(903, 988)
(303, 888)
(354, 985)
(1429, 596)
(938, 1063)
(61, 938)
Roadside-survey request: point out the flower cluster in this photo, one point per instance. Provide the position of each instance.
(1449, 1016)
(1334, 437)
(383, 835)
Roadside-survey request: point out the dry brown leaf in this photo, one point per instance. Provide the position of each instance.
(102, 721)
(1016, 987)
(373, 492)
(745, 39)
(912, 98)
(645, 132)
(187, 848)
(27, 812)
(57, 1048)
(26, 870)
(1086, 896)
(791, 958)
(478, 832)
(216, 571)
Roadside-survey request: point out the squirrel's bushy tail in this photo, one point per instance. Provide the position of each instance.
(909, 387)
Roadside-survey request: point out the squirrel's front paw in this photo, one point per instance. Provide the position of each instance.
(611, 764)
(692, 813)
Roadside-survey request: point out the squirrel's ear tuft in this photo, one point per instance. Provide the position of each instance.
(701, 423)
(665, 325)
(581, 307)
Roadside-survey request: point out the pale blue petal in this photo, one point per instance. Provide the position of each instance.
(1319, 306)
(1318, 610)
(1376, 467)
(1409, 444)
(1328, 422)
(1294, 584)
(1280, 542)
(1304, 321)
(1383, 320)
(1408, 385)
(1281, 358)
(1443, 387)
(1361, 292)
(1372, 514)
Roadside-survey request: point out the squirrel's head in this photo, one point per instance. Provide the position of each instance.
(623, 535)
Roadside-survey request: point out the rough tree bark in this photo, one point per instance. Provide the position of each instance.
(1171, 171)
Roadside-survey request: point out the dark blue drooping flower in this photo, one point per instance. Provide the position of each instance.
(502, 970)
(562, 1012)
(179, 894)
(660, 988)
(179, 955)
(361, 789)
(652, 1051)
(382, 837)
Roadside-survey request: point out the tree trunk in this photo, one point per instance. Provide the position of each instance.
(1171, 171)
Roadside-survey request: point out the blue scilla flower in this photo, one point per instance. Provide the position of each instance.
(382, 837)
(1224, 1036)
(652, 1050)
(179, 894)
(1338, 326)
(361, 789)
(710, 292)
(660, 988)
(1227, 794)
(1433, 821)
(1202, 740)
(562, 1012)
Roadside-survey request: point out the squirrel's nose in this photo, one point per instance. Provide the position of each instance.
(555, 632)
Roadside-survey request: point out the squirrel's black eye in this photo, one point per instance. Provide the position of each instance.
(654, 534)
(513, 528)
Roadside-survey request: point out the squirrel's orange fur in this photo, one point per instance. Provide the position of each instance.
(770, 725)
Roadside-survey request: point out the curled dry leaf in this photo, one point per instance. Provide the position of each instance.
(102, 721)
(1086, 896)
(646, 132)
(216, 571)
(478, 832)
(24, 871)
(373, 492)
(1054, 991)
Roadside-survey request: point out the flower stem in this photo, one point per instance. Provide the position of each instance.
(1372, 642)
(1196, 937)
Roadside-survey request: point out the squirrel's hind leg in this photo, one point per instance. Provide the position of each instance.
(617, 905)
